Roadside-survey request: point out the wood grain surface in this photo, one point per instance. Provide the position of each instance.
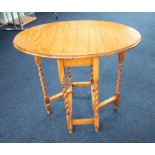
(77, 39)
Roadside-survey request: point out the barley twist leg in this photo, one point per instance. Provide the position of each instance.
(96, 101)
(92, 86)
(46, 98)
(68, 109)
(91, 77)
(121, 57)
(67, 97)
(95, 79)
(69, 77)
(70, 94)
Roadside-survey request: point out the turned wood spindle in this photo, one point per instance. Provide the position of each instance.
(67, 107)
(67, 104)
(121, 57)
(46, 98)
(95, 92)
(91, 77)
(69, 77)
(96, 112)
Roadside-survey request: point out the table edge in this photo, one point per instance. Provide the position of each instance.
(79, 56)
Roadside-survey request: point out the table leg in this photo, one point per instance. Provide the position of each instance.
(70, 87)
(46, 98)
(121, 57)
(95, 96)
(92, 85)
(69, 78)
(67, 99)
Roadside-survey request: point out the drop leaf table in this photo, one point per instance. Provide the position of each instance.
(78, 43)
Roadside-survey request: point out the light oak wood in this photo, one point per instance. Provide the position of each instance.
(121, 57)
(95, 92)
(69, 78)
(83, 121)
(67, 100)
(46, 98)
(59, 95)
(92, 86)
(73, 44)
(70, 125)
(77, 39)
(81, 84)
(68, 97)
(78, 62)
(104, 103)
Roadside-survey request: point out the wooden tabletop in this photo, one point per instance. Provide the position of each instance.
(77, 39)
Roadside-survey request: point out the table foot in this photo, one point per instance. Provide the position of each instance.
(48, 109)
(96, 129)
(116, 102)
(70, 131)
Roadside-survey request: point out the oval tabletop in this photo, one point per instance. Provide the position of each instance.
(77, 39)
